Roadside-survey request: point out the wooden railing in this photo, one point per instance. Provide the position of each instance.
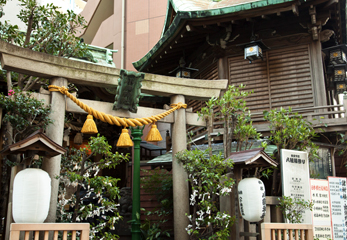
(333, 115)
(286, 231)
(32, 230)
(330, 111)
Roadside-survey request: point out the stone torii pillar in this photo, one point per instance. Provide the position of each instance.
(26, 61)
(55, 131)
(179, 176)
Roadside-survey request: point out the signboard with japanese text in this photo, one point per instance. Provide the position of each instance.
(338, 203)
(321, 217)
(295, 178)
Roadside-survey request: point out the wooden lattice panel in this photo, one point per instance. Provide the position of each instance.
(254, 75)
(290, 77)
(282, 79)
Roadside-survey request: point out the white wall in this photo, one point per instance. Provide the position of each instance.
(12, 9)
(74, 5)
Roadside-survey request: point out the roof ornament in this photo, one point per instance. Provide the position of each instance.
(222, 39)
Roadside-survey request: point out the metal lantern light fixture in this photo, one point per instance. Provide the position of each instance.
(181, 71)
(338, 76)
(254, 50)
(340, 87)
(184, 72)
(337, 73)
(336, 54)
(337, 66)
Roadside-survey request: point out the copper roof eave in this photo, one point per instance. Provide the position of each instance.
(253, 157)
(181, 17)
(37, 137)
(237, 12)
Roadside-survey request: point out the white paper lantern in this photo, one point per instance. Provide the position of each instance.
(252, 200)
(31, 196)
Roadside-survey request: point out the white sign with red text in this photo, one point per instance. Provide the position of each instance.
(321, 217)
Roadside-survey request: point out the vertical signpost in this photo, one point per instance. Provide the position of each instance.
(338, 200)
(295, 178)
(321, 217)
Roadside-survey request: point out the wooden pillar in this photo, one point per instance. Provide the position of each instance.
(9, 218)
(238, 224)
(179, 176)
(55, 131)
(225, 203)
(318, 82)
(223, 68)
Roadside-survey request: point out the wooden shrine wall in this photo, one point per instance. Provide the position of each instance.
(282, 79)
(210, 73)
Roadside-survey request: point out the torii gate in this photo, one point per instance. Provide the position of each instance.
(60, 71)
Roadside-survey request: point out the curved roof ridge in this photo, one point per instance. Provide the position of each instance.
(170, 29)
(200, 5)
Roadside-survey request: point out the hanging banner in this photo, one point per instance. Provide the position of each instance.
(321, 217)
(338, 203)
(295, 178)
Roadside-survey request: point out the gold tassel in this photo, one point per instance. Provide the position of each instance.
(78, 139)
(154, 134)
(89, 126)
(124, 139)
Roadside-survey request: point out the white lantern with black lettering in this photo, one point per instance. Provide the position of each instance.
(252, 200)
(31, 196)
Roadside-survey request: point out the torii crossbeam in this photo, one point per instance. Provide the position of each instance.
(60, 71)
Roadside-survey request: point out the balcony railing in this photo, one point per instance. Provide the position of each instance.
(286, 231)
(32, 230)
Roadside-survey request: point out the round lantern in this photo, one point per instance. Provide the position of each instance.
(31, 196)
(252, 200)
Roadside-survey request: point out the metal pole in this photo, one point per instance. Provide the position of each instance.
(135, 223)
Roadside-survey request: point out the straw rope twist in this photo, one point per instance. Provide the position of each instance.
(113, 120)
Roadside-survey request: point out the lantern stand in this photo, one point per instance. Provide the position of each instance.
(135, 221)
(252, 158)
(36, 144)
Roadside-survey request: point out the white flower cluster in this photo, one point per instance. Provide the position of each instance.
(225, 190)
(199, 221)
(192, 197)
(189, 228)
(223, 216)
